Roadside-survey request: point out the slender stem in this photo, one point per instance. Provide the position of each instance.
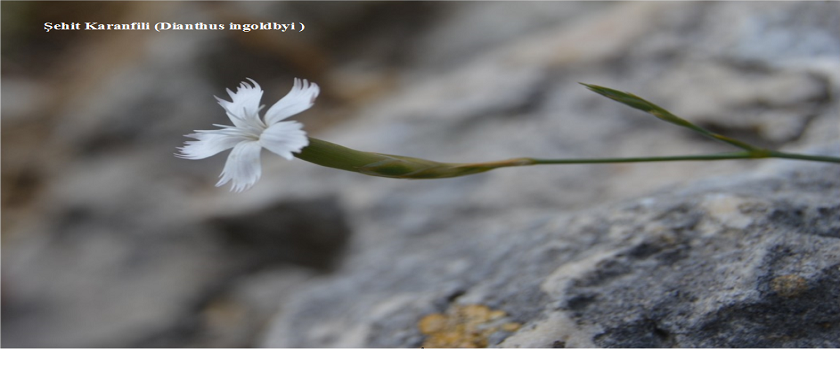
(711, 157)
(757, 154)
(805, 157)
(392, 166)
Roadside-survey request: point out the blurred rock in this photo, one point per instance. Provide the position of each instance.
(766, 111)
(110, 282)
(310, 233)
(731, 262)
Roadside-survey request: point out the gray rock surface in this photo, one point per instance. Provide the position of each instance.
(730, 262)
(108, 240)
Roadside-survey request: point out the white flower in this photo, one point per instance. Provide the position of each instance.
(249, 133)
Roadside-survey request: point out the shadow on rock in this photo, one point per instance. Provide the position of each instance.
(309, 233)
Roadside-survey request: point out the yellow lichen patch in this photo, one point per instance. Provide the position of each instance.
(432, 323)
(789, 285)
(464, 326)
(511, 326)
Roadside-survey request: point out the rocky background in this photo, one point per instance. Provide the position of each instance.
(110, 241)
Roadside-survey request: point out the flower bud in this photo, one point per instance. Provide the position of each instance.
(335, 156)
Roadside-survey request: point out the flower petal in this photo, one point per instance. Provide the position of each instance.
(299, 99)
(244, 107)
(284, 138)
(209, 143)
(242, 166)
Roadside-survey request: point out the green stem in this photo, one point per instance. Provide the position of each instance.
(331, 155)
(805, 157)
(745, 155)
(457, 170)
(710, 157)
(755, 155)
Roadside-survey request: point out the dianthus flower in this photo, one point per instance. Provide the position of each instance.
(250, 133)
